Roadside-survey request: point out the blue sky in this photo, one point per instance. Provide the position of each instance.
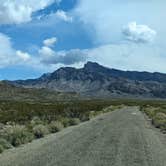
(39, 36)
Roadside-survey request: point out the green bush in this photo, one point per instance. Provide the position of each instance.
(150, 111)
(5, 144)
(1, 149)
(17, 135)
(55, 126)
(36, 121)
(74, 121)
(40, 131)
(159, 120)
(65, 122)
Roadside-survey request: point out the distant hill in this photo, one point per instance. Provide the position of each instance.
(95, 80)
(11, 92)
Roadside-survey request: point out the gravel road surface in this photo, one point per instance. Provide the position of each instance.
(120, 138)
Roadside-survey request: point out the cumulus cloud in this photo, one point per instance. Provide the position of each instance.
(46, 52)
(49, 56)
(19, 11)
(10, 56)
(6, 51)
(23, 55)
(46, 55)
(138, 33)
(52, 57)
(129, 57)
(63, 16)
(50, 41)
(104, 20)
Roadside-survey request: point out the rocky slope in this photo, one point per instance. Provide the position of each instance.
(12, 92)
(96, 80)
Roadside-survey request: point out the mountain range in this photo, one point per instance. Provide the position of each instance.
(94, 80)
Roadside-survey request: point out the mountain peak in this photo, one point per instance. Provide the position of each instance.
(92, 66)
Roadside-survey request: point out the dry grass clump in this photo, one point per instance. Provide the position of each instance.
(159, 120)
(158, 116)
(16, 135)
(55, 126)
(74, 121)
(40, 131)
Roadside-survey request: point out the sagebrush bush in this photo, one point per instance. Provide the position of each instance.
(65, 122)
(1, 149)
(34, 122)
(5, 144)
(159, 120)
(17, 135)
(85, 117)
(55, 126)
(40, 131)
(74, 121)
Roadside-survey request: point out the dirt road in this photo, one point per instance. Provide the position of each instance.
(120, 138)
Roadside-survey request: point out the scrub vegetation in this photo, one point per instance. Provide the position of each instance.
(22, 122)
(157, 114)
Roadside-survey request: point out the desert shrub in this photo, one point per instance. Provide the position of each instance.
(40, 131)
(159, 120)
(64, 121)
(34, 122)
(85, 117)
(74, 121)
(5, 144)
(17, 135)
(55, 126)
(1, 149)
(150, 111)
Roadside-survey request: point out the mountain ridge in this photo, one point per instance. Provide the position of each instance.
(96, 80)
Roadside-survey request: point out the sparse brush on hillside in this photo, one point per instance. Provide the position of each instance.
(55, 126)
(21, 122)
(158, 115)
(5, 143)
(40, 131)
(16, 134)
(74, 121)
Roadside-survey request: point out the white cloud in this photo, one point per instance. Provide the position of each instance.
(8, 55)
(50, 42)
(70, 57)
(6, 51)
(46, 58)
(121, 56)
(63, 16)
(129, 57)
(104, 20)
(23, 55)
(46, 52)
(19, 11)
(50, 57)
(138, 33)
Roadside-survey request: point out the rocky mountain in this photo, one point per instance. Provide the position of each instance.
(98, 81)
